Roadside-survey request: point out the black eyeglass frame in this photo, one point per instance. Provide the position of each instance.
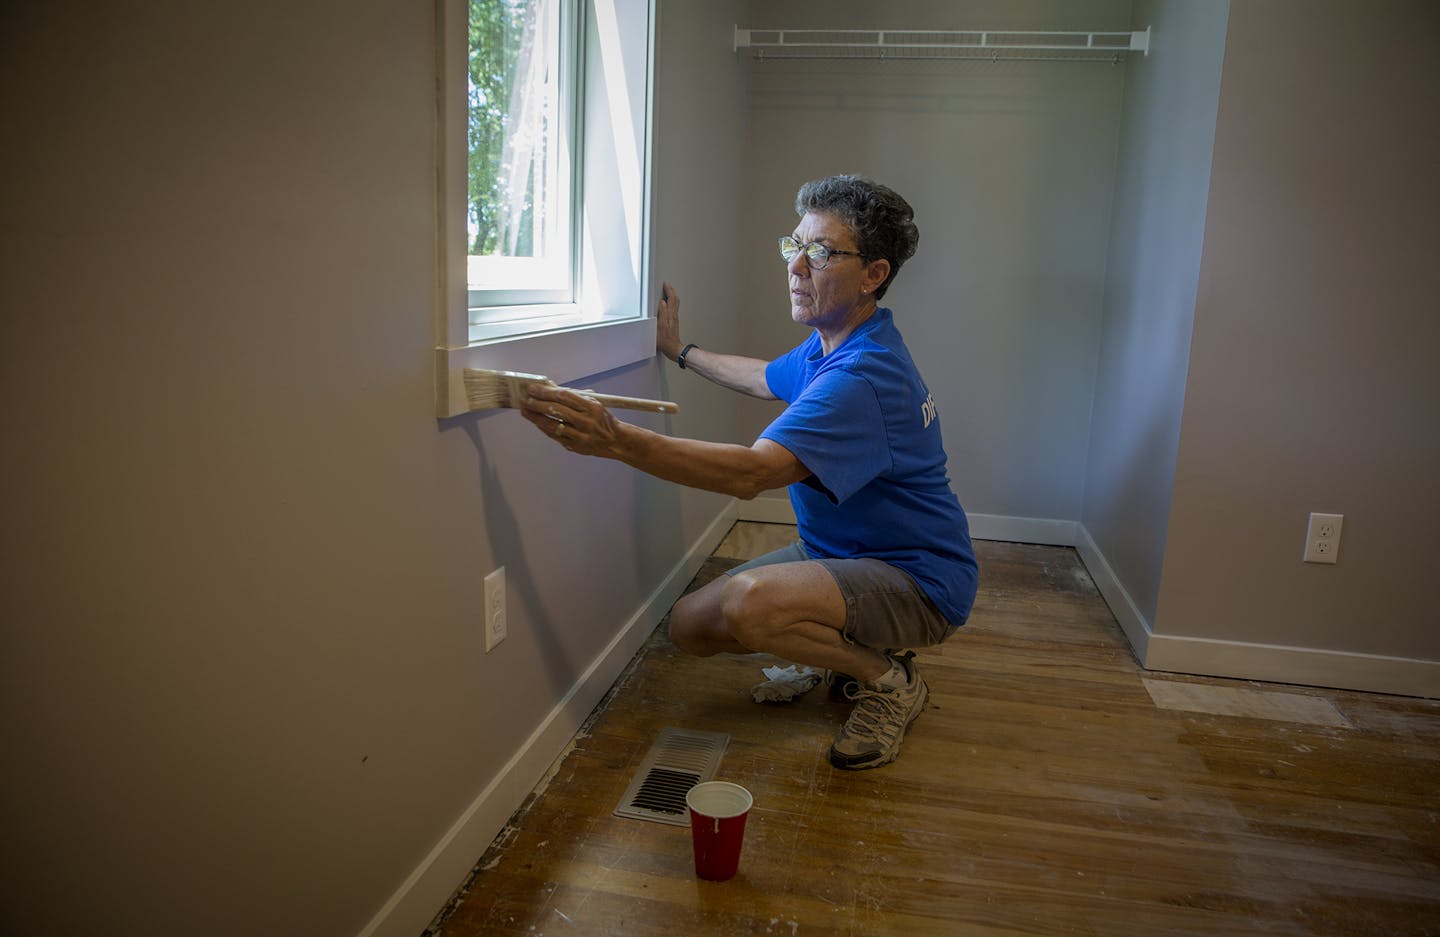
(810, 249)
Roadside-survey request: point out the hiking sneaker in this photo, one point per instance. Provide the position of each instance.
(872, 735)
(838, 684)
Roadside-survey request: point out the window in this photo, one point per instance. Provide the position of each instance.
(543, 188)
(521, 109)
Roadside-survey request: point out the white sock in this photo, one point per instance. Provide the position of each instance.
(896, 677)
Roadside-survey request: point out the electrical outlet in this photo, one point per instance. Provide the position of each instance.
(1322, 538)
(495, 625)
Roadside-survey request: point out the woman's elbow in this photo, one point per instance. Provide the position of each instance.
(750, 487)
(749, 492)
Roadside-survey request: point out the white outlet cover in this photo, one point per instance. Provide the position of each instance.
(493, 614)
(1322, 538)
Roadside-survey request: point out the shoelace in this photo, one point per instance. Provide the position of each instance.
(871, 710)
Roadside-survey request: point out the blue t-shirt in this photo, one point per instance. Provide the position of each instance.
(862, 421)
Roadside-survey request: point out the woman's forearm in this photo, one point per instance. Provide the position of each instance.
(741, 471)
(746, 375)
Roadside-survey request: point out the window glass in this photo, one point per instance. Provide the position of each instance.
(519, 220)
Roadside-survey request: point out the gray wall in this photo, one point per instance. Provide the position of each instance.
(244, 687)
(1009, 167)
(699, 170)
(1162, 185)
(1313, 383)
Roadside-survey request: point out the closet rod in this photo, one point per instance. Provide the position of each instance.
(809, 42)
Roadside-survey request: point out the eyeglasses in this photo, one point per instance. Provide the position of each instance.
(816, 253)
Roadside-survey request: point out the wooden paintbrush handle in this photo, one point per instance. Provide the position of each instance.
(632, 403)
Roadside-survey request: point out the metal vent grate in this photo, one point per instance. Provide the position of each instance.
(679, 759)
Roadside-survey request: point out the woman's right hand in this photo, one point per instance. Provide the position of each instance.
(667, 323)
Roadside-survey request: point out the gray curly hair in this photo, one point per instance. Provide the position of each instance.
(882, 222)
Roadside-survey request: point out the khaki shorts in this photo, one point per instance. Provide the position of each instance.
(884, 606)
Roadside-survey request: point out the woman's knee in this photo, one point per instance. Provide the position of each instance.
(693, 625)
(739, 612)
(748, 608)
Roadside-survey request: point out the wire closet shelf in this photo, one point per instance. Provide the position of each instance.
(985, 45)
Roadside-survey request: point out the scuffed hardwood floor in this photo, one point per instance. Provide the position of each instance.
(1043, 792)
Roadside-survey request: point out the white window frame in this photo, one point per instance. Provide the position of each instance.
(606, 326)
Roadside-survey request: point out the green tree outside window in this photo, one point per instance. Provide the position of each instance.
(509, 125)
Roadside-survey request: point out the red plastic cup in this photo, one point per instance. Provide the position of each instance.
(717, 825)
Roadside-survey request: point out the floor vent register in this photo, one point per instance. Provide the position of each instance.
(679, 759)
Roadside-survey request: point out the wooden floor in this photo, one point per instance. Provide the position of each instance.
(1052, 787)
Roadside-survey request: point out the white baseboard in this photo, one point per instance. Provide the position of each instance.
(982, 526)
(1302, 666)
(1168, 653)
(1238, 660)
(766, 511)
(1135, 625)
(416, 902)
(1051, 532)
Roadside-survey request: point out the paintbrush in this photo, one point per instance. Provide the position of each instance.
(491, 390)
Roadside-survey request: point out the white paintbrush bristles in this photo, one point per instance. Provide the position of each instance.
(491, 390)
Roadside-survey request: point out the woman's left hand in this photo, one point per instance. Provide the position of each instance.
(667, 323)
(575, 421)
